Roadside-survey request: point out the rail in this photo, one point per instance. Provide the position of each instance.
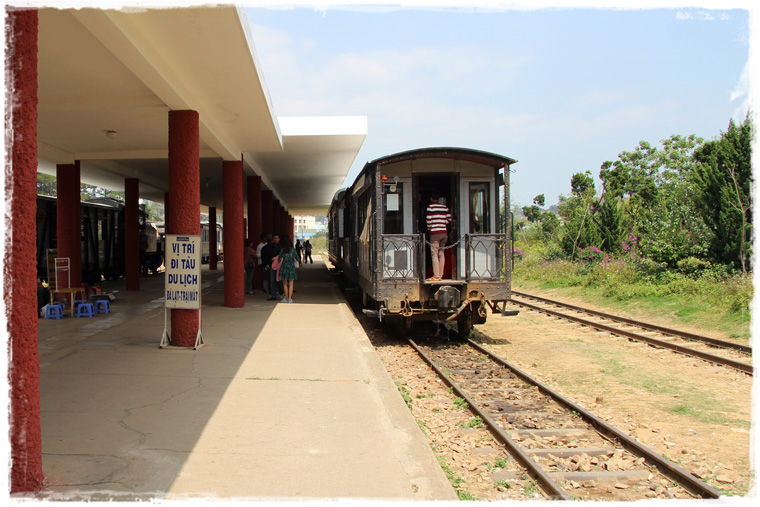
(489, 397)
(619, 331)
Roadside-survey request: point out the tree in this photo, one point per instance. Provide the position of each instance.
(609, 224)
(154, 209)
(533, 213)
(92, 192)
(723, 180)
(46, 185)
(579, 231)
(655, 200)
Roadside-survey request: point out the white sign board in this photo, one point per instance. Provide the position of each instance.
(182, 260)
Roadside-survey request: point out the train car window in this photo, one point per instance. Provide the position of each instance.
(364, 211)
(393, 212)
(480, 220)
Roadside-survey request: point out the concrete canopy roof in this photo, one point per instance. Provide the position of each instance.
(123, 71)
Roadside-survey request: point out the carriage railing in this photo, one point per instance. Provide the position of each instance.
(401, 254)
(485, 257)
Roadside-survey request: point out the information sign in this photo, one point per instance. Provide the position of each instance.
(182, 260)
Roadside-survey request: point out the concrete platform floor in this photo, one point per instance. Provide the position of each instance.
(283, 401)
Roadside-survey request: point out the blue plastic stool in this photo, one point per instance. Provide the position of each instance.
(78, 302)
(102, 305)
(86, 310)
(53, 312)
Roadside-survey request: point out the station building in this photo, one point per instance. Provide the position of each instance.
(168, 105)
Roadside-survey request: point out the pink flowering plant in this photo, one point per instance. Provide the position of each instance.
(592, 255)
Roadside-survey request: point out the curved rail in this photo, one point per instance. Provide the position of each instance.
(738, 365)
(652, 327)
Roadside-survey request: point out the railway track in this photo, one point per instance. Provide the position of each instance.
(568, 451)
(726, 353)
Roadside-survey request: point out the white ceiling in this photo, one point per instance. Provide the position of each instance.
(123, 71)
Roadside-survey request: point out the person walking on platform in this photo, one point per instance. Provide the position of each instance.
(249, 260)
(307, 252)
(268, 253)
(299, 250)
(287, 273)
(438, 218)
(263, 240)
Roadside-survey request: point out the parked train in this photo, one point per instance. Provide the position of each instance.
(205, 238)
(102, 229)
(378, 236)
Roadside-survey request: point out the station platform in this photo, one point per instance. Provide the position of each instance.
(284, 401)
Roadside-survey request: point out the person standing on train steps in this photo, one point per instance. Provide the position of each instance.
(249, 260)
(438, 218)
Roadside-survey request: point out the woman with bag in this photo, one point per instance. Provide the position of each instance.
(287, 271)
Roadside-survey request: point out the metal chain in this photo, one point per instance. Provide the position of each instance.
(444, 247)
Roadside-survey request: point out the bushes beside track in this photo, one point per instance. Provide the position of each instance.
(697, 293)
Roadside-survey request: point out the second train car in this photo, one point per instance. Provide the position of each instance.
(378, 235)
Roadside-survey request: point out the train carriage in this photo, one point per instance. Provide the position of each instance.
(206, 239)
(102, 236)
(390, 259)
(339, 232)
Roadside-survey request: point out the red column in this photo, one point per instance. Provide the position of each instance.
(234, 275)
(212, 238)
(68, 222)
(166, 212)
(254, 220)
(132, 233)
(184, 205)
(267, 220)
(20, 262)
(284, 222)
(276, 217)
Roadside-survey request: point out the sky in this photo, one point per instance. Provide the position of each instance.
(561, 89)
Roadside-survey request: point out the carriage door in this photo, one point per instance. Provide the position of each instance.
(445, 185)
(478, 220)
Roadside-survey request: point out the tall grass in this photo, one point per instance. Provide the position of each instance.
(706, 298)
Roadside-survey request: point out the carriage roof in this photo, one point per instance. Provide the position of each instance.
(477, 156)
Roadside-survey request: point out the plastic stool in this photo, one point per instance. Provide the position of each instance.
(53, 312)
(85, 309)
(102, 305)
(78, 302)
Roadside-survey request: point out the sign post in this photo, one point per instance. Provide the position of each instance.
(182, 280)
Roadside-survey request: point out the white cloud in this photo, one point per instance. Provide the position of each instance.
(601, 97)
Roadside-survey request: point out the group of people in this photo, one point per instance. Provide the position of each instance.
(276, 258)
(304, 250)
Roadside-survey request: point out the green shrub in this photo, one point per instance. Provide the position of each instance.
(693, 265)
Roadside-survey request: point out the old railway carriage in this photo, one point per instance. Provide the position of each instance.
(379, 237)
(339, 232)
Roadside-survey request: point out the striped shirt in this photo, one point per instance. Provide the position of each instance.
(438, 217)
